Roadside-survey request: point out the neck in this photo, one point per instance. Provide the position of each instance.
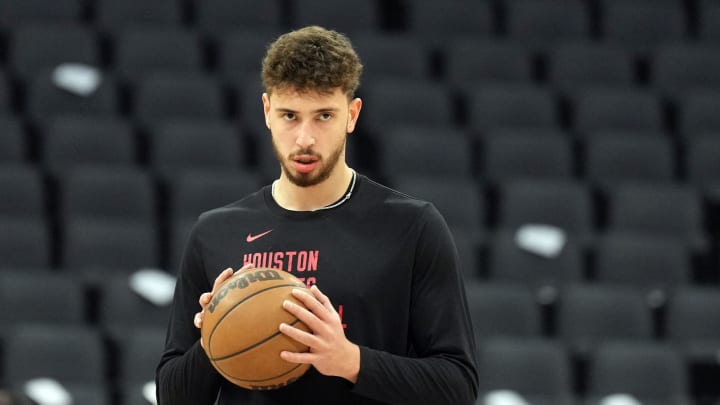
(296, 198)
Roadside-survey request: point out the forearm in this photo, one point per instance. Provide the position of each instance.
(401, 380)
(187, 378)
(442, 369)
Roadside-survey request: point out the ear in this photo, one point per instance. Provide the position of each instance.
(266, 108)
(354, 112)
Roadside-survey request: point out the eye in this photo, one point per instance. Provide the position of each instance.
(288, 116)
(325, 116)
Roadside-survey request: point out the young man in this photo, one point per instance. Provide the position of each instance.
(391, 324)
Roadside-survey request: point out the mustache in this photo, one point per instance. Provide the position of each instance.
(305, 152)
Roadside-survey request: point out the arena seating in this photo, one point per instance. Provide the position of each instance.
(598, 118)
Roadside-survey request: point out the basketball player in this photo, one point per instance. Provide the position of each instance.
(386, 307)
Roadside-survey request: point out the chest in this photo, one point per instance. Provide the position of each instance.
(364, 268)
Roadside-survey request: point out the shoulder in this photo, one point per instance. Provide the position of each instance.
(243, 208)
(379, 197)
(249, 202)
(373, 192)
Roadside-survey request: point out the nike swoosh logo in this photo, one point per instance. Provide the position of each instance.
(251, 237)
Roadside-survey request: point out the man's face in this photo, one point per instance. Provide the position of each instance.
(309, 131)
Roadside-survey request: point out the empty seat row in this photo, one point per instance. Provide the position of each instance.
(120, 219)
(597, 315)
(137, 52)
(673, 67)
(106, 218)
(604, 158)
(587, 320)
(649, 263)
(542, 372)
(93, 370)
(211, 17)
(666, 209)
(131, 193)
(479, 109)
(73, 141)
(92, 249)
(101, 342)
(55, 298)
(494, 105)
(524, 19)
(45, 337)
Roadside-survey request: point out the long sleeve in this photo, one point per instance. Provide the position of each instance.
(184, 375)
(388, 262)
(442, 370)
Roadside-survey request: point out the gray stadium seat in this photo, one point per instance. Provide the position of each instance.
(179, 146)
(502, 309)
(216, 18)
(75, 141)
(542, 24)
(142, 52)
(177, 97)
(651, 372)
(349, 18)
(537, 369)
(475, 60)
(640, 26)
(593, 313)
(495, 106)
(115, 16)
(36, 48)
(72, 354)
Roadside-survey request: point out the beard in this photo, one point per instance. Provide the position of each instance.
(324, 169)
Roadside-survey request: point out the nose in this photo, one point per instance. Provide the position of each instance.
(305, 136)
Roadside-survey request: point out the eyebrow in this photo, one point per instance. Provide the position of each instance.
(319, 110)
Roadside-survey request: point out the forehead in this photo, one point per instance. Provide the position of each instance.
(307, 100)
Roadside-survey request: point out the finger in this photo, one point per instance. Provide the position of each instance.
(300, 336)
(222, 277)
(198, 320)
(313, 304)
(324, 300)
(205, 299)
(304, 315)
(245, 267)
(299, 358)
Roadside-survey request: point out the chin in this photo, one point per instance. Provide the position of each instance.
(306, 179)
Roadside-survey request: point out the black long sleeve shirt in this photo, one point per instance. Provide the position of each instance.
(388, 264)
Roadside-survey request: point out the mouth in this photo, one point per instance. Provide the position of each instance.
(305, 163)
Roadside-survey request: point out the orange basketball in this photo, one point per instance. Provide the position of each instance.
(240, 329)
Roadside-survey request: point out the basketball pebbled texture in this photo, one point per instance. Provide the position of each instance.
(240, 329)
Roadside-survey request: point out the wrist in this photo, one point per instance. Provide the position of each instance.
(353, 364)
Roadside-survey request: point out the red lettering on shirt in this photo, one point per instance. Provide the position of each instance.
(340, 312)
(291, 261)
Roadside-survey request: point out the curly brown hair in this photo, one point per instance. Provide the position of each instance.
(312, 59)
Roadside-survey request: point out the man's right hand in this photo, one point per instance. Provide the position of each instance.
(205, 298)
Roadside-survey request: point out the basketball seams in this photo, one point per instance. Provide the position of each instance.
(252, 346)
(247, 381)
(219, 321)
(246, 351)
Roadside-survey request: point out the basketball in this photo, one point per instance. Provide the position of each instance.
(240, 329)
